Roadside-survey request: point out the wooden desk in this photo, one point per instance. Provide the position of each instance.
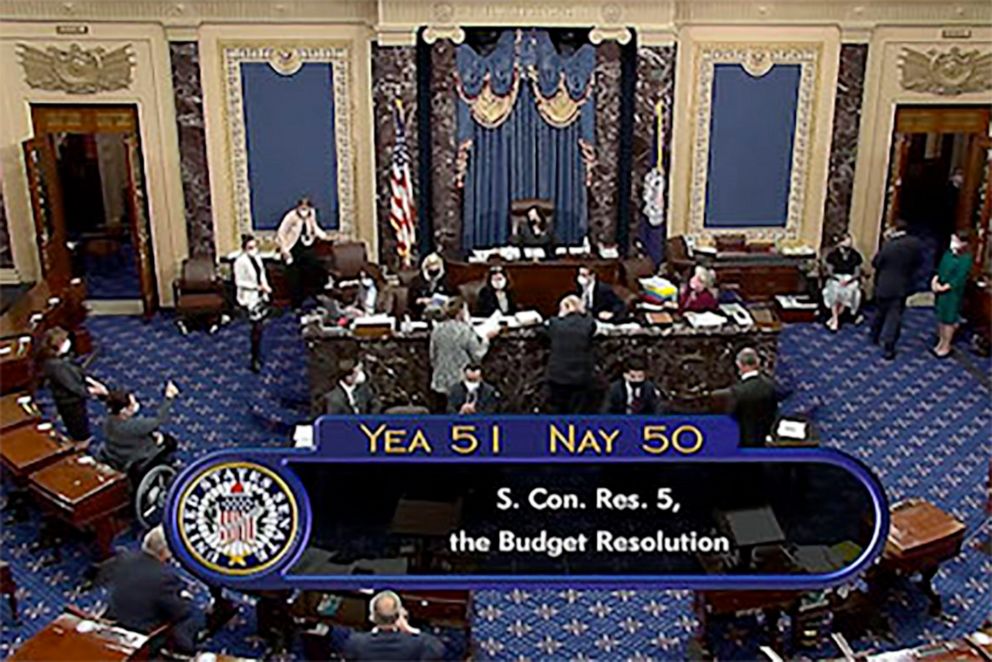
(17, 409)
(61, 640)
(24, 324)
(86, 495)
(758, 276)
(26, 449)
(685, 363)
(537, 285)
(921, 537)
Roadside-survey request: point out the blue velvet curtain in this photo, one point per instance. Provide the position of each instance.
(524, 156)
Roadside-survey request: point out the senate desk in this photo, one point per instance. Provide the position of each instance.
(687, 364)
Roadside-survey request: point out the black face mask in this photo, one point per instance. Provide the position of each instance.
(433, 273)
(636, 385)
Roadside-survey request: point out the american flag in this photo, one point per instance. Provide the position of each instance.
(236, 519)
(401, 207)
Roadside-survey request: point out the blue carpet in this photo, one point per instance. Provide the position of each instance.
(921, 424)
(112, 276)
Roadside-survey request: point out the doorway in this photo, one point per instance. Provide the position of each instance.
(937, 169)
(88, 197)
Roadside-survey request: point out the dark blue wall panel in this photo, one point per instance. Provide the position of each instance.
(750, 159)
(289, 126)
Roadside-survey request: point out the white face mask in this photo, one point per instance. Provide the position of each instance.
(253, 252)
(956, 245)
(471, 386)
(499, 283)
(136, 408)
(583, 281)
(360, 377)
(367, 282)
(65, 346)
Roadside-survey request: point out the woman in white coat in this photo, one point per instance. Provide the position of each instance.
(252, 293)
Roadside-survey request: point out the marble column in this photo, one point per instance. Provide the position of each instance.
(844, 144)
(655, 84)
(446, 198)
(603, 202)
(192, 147)
(394, 77)
(6, 257)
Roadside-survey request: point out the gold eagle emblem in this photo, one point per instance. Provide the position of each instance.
(77, 70)
(946, 73)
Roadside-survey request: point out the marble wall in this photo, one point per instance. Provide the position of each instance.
(844, 145)
(192, 147)
(394, 76)
(6, 257)
(603, 201)
(446, 198)
(655, 83)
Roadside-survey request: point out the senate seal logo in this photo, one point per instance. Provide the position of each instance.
(237, 518)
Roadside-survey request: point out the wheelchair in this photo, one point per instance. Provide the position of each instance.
(150, 481)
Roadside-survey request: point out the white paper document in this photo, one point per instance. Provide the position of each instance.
(705, 320)
(791, 429)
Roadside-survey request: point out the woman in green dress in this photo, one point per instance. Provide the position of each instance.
(948, 284)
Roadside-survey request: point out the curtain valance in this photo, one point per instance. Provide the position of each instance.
(490, 84)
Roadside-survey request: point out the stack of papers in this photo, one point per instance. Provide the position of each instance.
(489, 326)
(509, 253)
(534, 253)
(705, 320)
(657, 289)
(790, 302)
(376, 320)
(609, 252)
(303, 436)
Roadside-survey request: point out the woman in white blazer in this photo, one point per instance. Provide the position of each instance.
(252, 293)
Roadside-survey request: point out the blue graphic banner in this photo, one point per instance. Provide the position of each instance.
(448, 502)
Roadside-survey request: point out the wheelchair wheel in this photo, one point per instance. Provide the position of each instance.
(149, 498)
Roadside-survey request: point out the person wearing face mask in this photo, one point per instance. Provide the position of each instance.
(454, 345)
(843, 286)
(367, 297)
(534, 232)
(634, 393)
(296, 235)
(472, 395)
(698, 294)
(430, 287)
(598, 298)
(496, 294)
(253, 293)
(135, 443)
(948, 285)
(69, 384)
(352, 394)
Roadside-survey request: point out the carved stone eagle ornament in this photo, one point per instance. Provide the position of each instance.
(946, 73)
(76, 70)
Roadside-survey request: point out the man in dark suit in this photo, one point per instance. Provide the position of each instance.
(633, 394)
(145, 593)
(135, 443)
(598, 298)
(473, 395)
(895, 267)
(351, 395)
(570, 364)
(392, 638)
(754, 403)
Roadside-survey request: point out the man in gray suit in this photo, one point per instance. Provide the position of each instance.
(352, 394)
(134, 442)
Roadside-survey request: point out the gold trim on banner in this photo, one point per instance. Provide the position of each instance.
(487, 108)
(560, 109)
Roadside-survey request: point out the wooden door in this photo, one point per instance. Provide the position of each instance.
(136, 201)
(983, 242)
(47, 209)
(897, 172)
